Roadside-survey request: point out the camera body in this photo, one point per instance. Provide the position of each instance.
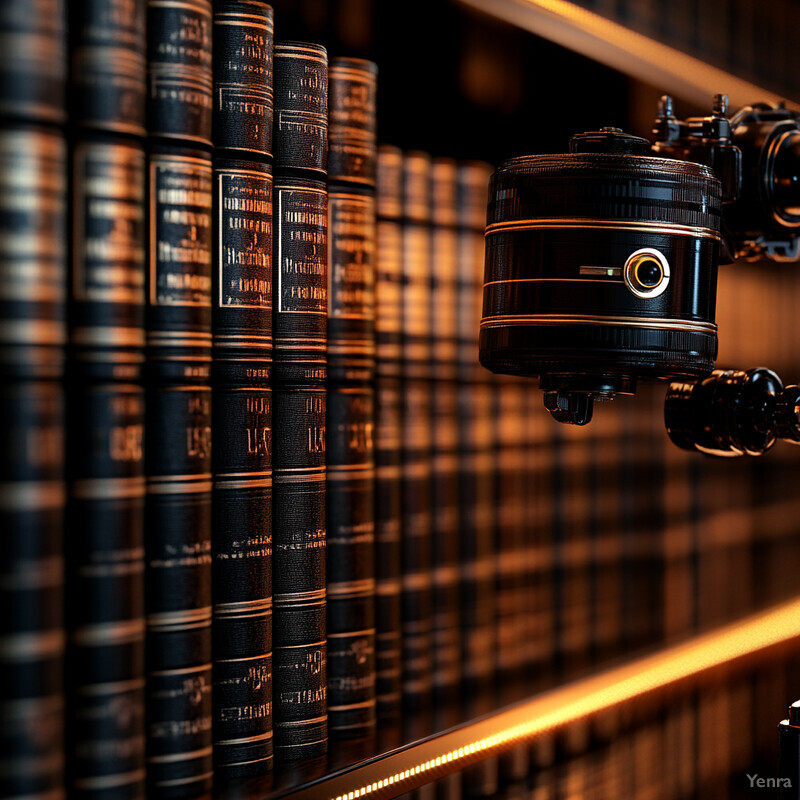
(601, 263)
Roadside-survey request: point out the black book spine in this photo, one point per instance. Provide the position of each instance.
(32, 640)
(476, 476)
(352, 154)
(444, 442)
(557, 536)
(179, 479)
(351, 464)
(572, 552)
(606, 457)
(350, 565)
(109, 75)
(351, 399)
(33, 266)
(416, 446)
(301, 107)
(478, 562)
(510, 557)
(299, 468)
(641, 484)
(242, 289)
(388, 542)
(242, 407)
(243, 467)
(178, 518)
(300, 297)
(388, 421)
(33, 61)
(299, 533)
(242, 580)
(105, 588)
(477, 545)
(539, 639)
(178, 545)
(351, 286)
(179, 75)
(105, 403)
(105, 446)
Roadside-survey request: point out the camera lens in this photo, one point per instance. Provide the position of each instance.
(601, 269)
(764, 219)
(646, 273)
(785, 177)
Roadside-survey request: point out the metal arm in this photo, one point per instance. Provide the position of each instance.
(732, 412)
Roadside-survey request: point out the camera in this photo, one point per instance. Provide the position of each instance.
(601, 263)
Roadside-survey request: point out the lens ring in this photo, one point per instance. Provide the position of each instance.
(636, 276)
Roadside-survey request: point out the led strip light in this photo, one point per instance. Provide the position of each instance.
(430, 759)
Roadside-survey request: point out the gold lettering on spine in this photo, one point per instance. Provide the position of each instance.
(359, 437)
(245, 246)
(316, 439)
(259, 436)
(198, 437)
(109, 220)
(180, 256)
(315, 407)
(302, 240)
(352, 252)
(303, 540)
(125, 443)
(189, 38)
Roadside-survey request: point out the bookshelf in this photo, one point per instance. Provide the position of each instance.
(512, 93)
(528, 100)
(647, 602)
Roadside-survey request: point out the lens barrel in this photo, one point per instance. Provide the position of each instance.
(601, 268)
(765, 219)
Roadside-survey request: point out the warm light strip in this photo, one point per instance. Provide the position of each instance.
(631, 53)
(404, 769)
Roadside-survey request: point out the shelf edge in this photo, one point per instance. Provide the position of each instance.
(626, 51)
(417, 764)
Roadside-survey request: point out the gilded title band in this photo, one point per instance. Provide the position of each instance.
(244, 253)
(301, 241)
(180, 230)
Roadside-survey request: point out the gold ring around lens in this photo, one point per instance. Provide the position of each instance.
(630, 272)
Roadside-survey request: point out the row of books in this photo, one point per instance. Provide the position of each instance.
(140, 168)
(256, 490)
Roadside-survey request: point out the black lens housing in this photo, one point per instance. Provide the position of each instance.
(601, 267)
